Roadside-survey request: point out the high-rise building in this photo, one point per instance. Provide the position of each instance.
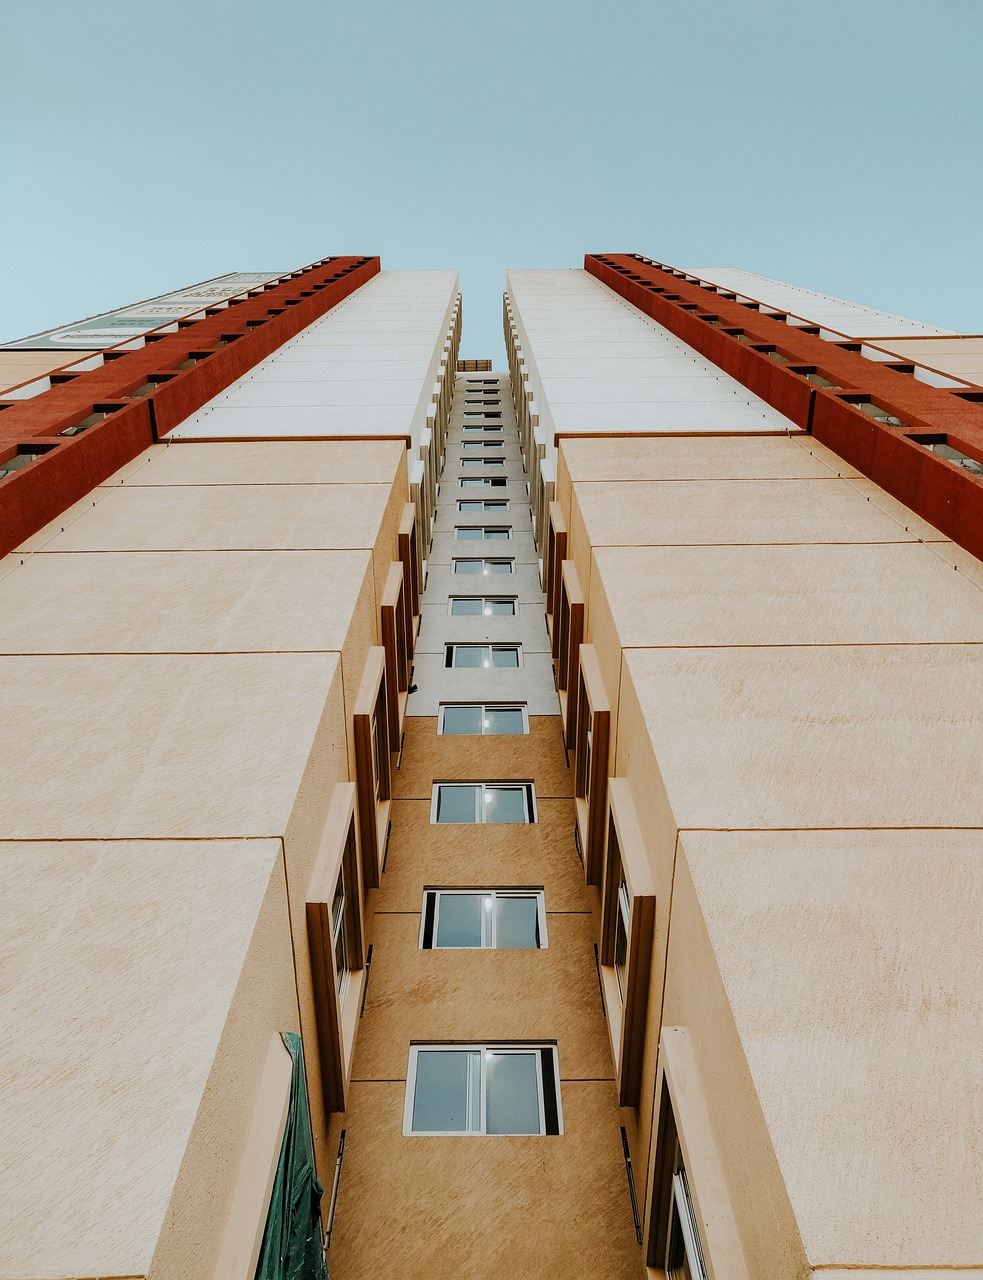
(536, 807)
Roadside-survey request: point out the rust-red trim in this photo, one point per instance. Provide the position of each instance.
(250, 330)
(731, 335)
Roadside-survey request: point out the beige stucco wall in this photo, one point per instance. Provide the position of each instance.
(786, 647)
(182, 651)
(449, 1206)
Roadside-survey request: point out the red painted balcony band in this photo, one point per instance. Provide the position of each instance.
(776, 360)
(146, 392)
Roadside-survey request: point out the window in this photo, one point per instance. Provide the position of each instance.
(472, 413)
(336, 943)
(483, 655)
(484, 482)
(474, 802)
(482, 1089)
(478, 532)
(590, 764)
(481, 444)
(627, 939)
(483, 504)
(483, 606)
(479, 429)
(496, 919)
(482, 462)
(373, 763)
(685, 1259)
(690, 1221)
(483, 718)
(483, 566)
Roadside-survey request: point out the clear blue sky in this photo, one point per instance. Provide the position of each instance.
(833, 143)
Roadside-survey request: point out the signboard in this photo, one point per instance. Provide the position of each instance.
(111, 327)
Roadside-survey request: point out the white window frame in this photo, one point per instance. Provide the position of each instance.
(482, 1050)
(482, 462)
(482, 444)
(450, 651)
(503, 599)
(484, 561)
(484, 482)
(493, 894)
(494, 706)
(483, 530)
(529, 795)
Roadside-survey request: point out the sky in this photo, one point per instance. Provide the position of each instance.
(149, 144)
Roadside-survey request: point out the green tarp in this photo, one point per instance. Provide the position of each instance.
(291, 1248)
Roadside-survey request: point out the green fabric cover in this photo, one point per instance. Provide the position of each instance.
(291, 1248)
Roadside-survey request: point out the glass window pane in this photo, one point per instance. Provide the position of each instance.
(445, 1094)
(462, 720)
(467, 566)
(621, 949)
(472, 504)
(498, 566)
(469, 655)
(505, 657)
(459, 919)
(338, 904)
(456, 804)
(467, 535)
(511, 1093)
(505, 804)
(500, 534)
(466, 608)
(503, 720)
(500, 608)
(516, 922)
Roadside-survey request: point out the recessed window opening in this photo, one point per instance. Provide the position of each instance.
(473, 414)
(675, 1245)
(482, 462)
(881, 415)
(483, 566)
(482, 802)
(483, 655)
(503, 1089)
(483, 606)
(483, 718)
(481, 444)
(484, 919)
(945, 450)
(482, 533)
(485, 482)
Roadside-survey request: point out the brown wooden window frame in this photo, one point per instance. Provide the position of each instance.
(409, 555)
(567, 639)
(590, 763)
(374, 794)
(626, 1011)
(337, 1012)
(395, 641)
(556, 553)
(684, 1138)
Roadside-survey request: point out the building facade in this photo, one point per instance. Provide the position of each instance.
(538, 804)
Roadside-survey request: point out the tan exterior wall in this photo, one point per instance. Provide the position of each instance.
(783, 645)
(201, 623)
